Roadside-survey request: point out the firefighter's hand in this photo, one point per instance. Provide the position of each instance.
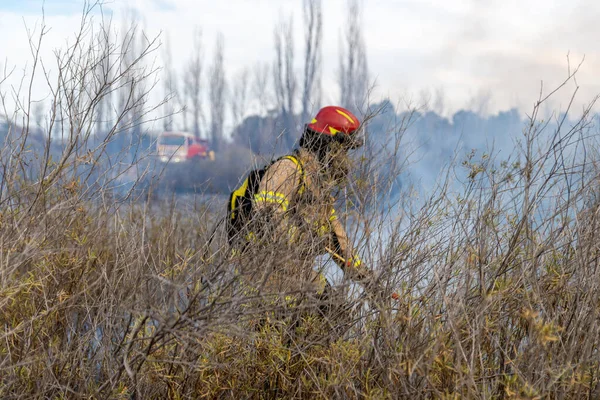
(357, 270)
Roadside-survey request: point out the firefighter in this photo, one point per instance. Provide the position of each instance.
(291, 202)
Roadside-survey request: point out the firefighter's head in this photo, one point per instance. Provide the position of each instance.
(330, 135)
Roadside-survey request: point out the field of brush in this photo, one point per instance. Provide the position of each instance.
(498, 276)
(113, 286)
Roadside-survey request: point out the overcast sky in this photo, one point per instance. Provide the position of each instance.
(468, 49)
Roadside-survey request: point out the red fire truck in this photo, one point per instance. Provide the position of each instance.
(182, 146)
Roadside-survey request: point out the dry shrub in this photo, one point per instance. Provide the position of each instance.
(498, 277)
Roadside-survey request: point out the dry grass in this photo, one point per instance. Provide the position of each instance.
(498, 276)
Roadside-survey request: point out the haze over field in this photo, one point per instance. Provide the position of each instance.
(473, 69)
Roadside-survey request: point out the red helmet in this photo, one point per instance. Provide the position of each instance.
(332, 120)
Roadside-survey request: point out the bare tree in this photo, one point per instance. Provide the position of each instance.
(50, 180)
(184, 105)
(170, 87)
(285, 79)
(262, 97)
(193, 82)
(132, 91)
(260, 87)
(129, 91)
(103, 73)
(216, 92)
(313, 23)
(139, 88)
(353, 72)
(239, 96)
(128, 34)
(38, 114)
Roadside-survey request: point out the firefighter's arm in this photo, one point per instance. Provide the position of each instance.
(347, 259)
(275, 192)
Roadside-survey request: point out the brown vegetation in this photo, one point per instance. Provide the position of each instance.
(498, 278)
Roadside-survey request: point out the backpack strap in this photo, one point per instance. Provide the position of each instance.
(250, 183)
(236, 194)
